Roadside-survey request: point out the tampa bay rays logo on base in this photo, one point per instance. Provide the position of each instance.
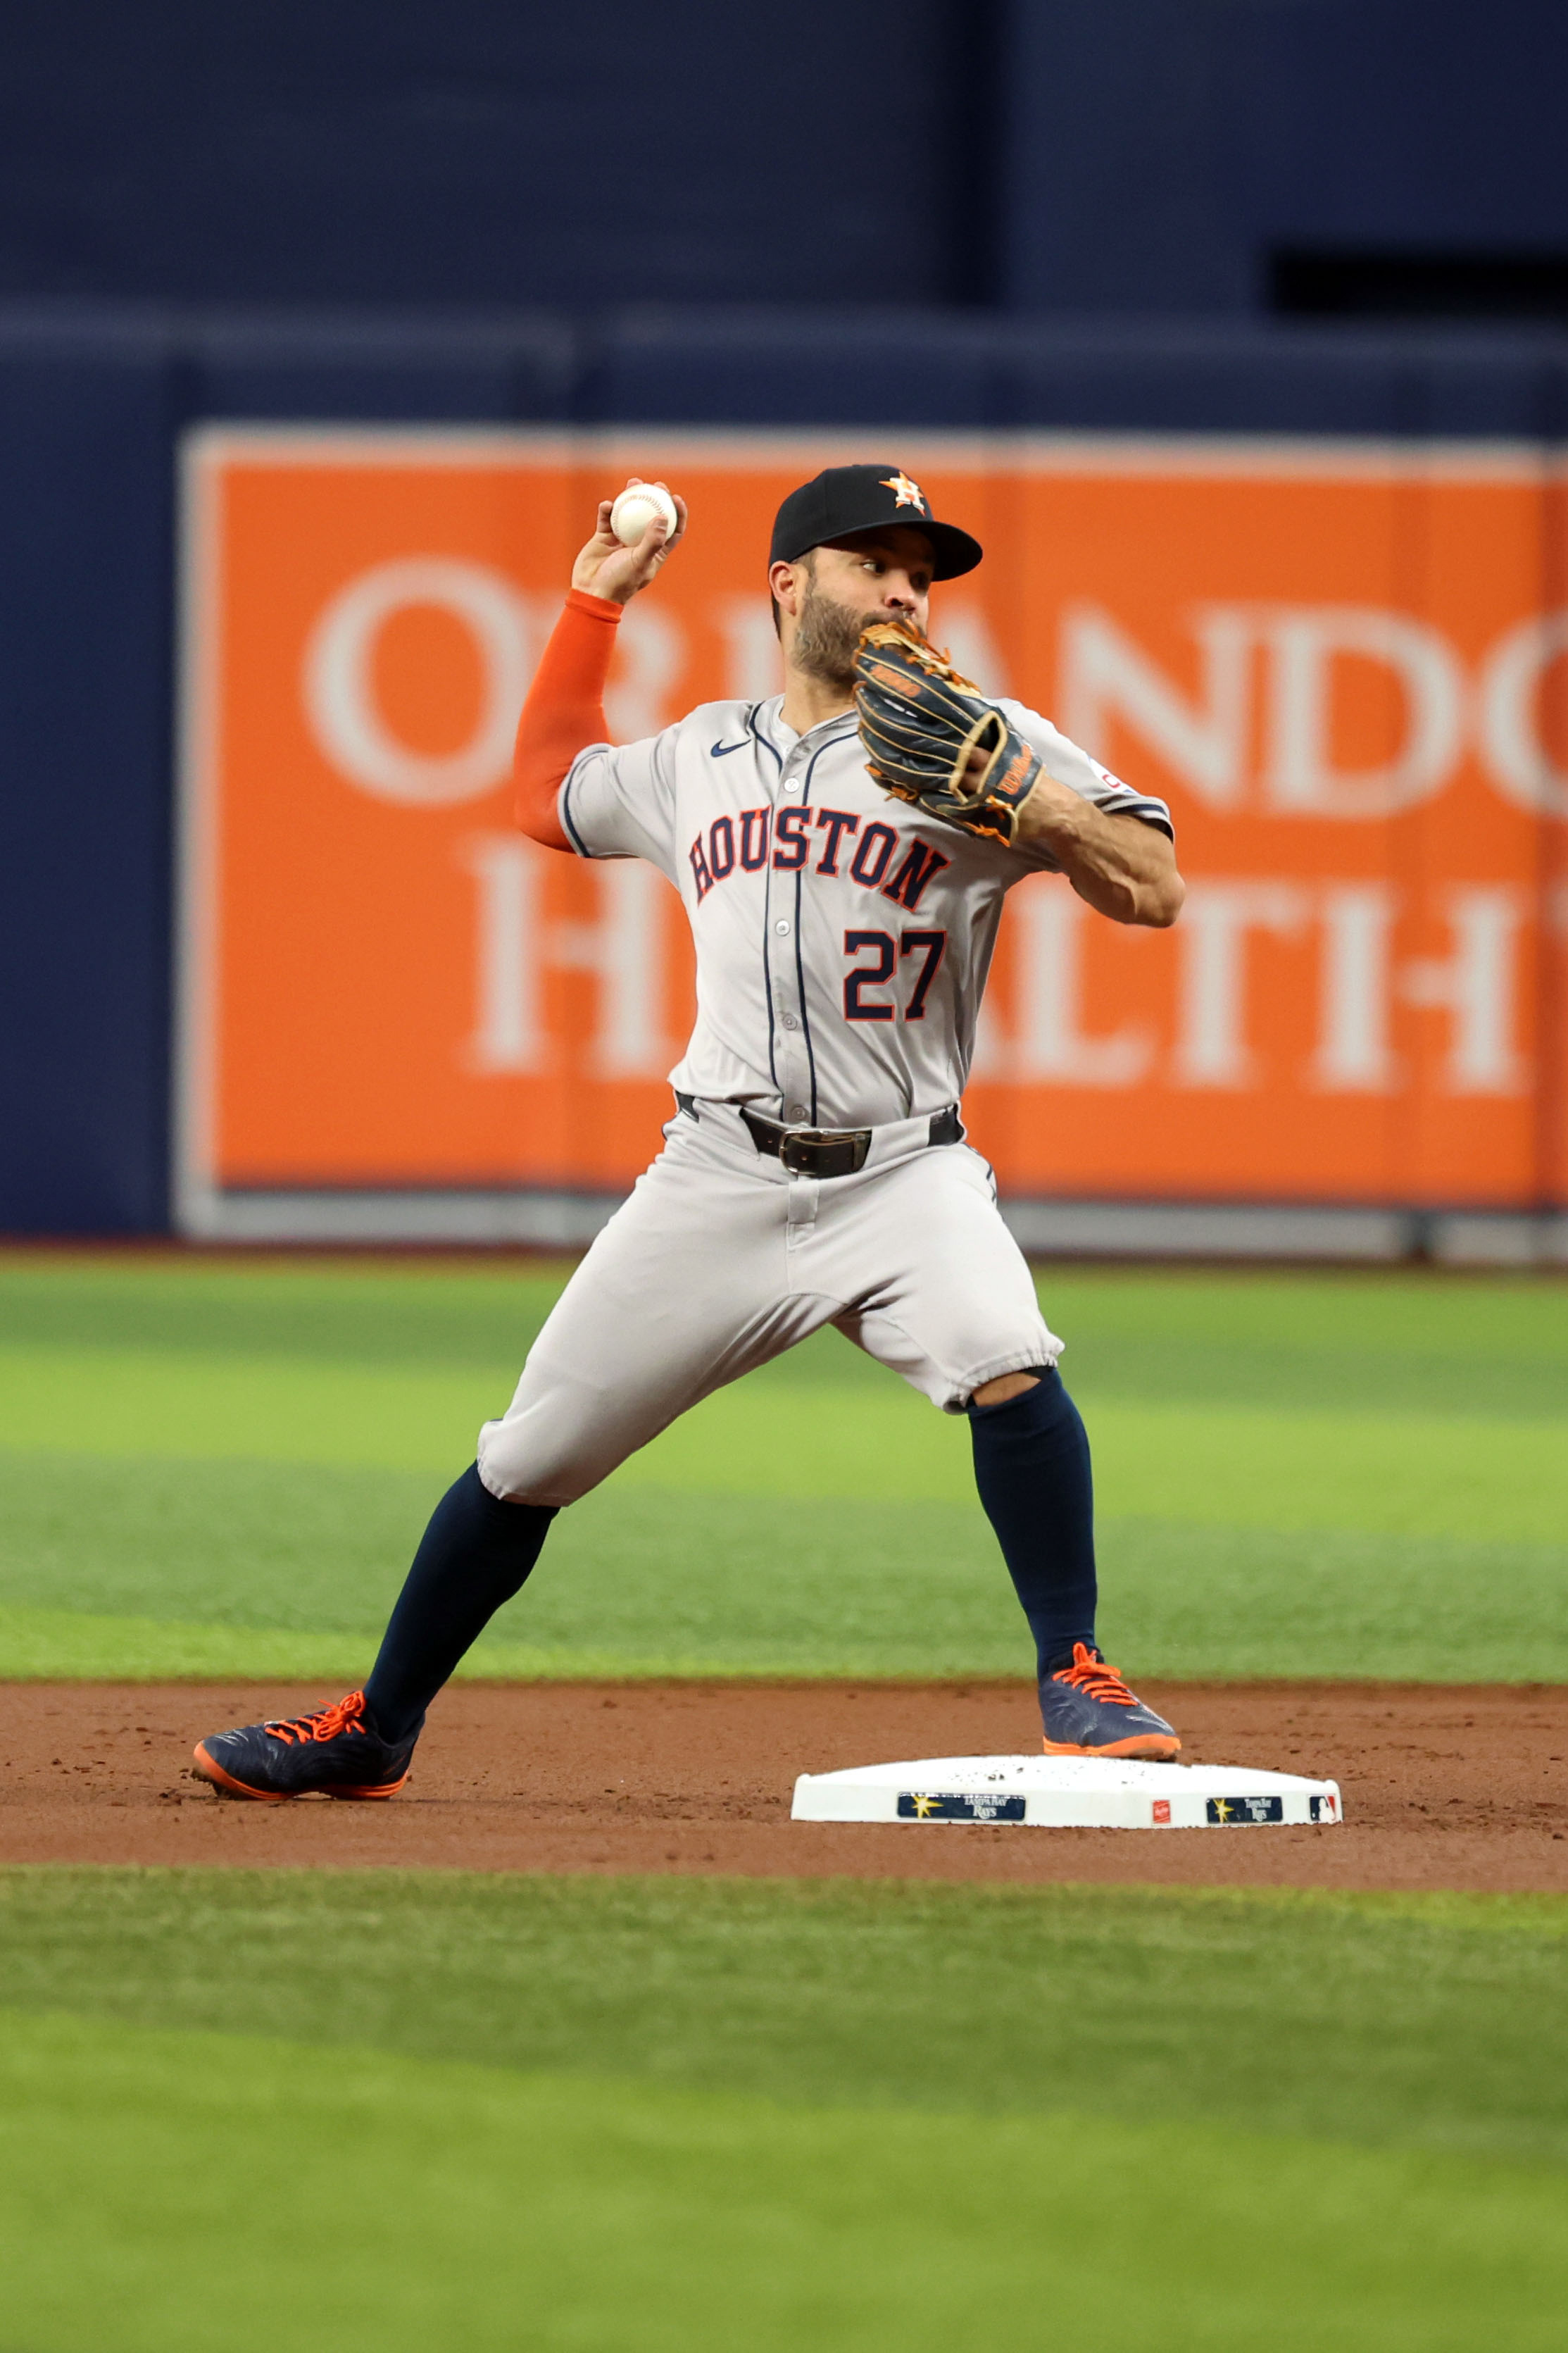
(905, 492)
(958, 1806)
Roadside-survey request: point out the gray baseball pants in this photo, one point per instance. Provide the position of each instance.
(723, 1259)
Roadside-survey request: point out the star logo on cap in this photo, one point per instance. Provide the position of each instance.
(905, 492)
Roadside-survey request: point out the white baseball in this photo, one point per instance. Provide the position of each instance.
(637, 508)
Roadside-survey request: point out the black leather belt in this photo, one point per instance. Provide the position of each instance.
(825, 1152)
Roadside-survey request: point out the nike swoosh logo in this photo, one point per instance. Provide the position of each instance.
(718, 751)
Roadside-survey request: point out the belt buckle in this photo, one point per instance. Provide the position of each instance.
(835, 1153)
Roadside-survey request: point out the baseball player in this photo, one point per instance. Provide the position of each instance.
(843, 851)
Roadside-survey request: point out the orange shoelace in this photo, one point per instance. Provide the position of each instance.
(1088, 1673)
(343, 1716)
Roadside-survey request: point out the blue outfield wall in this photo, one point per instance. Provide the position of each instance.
(92, 403)
(1115, 157)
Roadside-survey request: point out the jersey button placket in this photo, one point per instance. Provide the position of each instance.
(792, 1062)
(792, 1072)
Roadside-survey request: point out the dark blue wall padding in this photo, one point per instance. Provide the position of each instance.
(84, 778)
(1160, 149)
(90, 406)
(465, 152)
(1496, 386)
(1123, 156)
(958, 372)
(336, 369)
(1180, 377)
(768, 367)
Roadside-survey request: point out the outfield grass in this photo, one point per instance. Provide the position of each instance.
(686, 2114)
(211, 1469)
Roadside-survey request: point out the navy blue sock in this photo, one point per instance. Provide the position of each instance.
(475, 1555)
(1032, 1468)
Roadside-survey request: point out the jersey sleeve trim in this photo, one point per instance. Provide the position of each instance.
(1071, 765)
(563, 811)
(1144, 807)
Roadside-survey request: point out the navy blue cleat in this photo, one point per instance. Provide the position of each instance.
(337, 1751)
(1087, 1711)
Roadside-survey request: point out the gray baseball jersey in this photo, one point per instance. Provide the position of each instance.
(843, 937)
(843, 940)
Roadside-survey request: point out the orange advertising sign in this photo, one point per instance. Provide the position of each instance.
(1344, 667)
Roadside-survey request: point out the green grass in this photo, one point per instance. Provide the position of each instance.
(686, 2114)
(208, 1468)
(416, 2202)
(1430, 2023)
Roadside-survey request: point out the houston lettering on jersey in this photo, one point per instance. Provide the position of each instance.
(842, 937)
(744, 842)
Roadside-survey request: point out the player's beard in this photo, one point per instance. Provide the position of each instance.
(825, 640)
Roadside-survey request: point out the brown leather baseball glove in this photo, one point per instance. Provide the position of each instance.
(920, 719)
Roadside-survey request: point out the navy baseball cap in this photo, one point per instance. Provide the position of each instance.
(845, 499)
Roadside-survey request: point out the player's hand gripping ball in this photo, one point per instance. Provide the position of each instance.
(921, 725)
(637, 508)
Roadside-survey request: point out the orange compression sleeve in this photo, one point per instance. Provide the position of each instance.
(564, 712)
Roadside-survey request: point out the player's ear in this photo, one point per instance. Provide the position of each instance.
(785, 586)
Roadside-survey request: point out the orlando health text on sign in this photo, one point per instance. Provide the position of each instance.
(1347, 668)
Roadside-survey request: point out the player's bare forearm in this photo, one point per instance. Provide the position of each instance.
(1121, 867)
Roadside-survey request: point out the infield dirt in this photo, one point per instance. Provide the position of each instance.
(1444, 1786)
